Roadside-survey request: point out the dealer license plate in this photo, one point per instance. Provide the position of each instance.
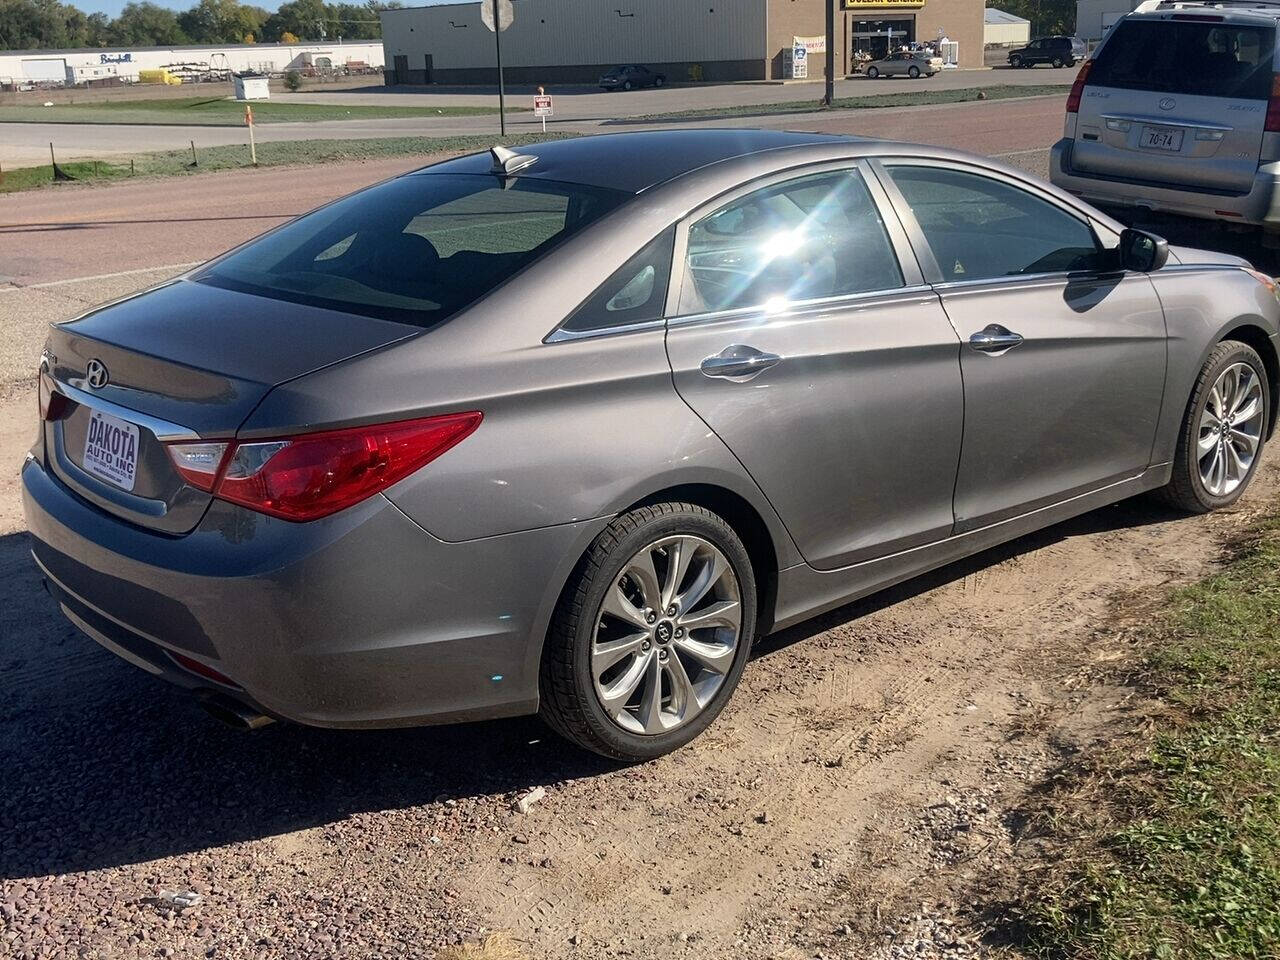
(111, 449)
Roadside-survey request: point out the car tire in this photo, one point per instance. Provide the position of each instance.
(1188, 489)
(914, 73)
(1058, 63)
(1015, 62)
(627, 85)
(571, 701)
(658, 81)
(872, 73)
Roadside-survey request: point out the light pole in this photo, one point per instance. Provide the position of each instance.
(829, 97)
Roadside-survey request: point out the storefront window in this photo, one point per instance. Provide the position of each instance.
(875, 39)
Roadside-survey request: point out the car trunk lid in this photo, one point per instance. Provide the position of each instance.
(1177, 101)
(183, 361)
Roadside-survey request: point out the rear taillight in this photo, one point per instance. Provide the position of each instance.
(1272, 124)
(52, 403)
(1077, 88)
(312, 475)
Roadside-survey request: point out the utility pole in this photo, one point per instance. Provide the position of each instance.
(829, 97)
(502, 93)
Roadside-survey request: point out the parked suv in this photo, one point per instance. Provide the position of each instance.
(1179, 111)
(1055, 51)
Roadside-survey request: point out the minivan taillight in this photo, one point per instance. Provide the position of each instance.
(312, 475)
(1077, 88)
(1272, 124)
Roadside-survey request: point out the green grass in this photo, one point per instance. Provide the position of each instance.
(221, 112)
(1181, 849)
(911, 98)
(174, 162)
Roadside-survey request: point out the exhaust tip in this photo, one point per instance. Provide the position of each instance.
(233, 713)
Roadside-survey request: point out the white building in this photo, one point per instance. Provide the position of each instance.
(85, 65)
(1095, 17)
(1001, 29)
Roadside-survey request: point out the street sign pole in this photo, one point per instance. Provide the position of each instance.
(502, 93)
(830, 95)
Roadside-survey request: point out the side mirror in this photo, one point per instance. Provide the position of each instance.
(1142, 252)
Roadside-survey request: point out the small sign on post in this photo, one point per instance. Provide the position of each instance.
(248, 122)
(542, 108)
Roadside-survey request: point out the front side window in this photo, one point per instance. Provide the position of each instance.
(1187, 57)
(416, 249)
(979, 228)
(806, 239)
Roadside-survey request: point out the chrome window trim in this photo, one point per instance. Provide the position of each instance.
(561, 335)
(163, 430)
(795, 307)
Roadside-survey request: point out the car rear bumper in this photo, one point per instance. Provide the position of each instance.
(1259, 206)
(358, 620)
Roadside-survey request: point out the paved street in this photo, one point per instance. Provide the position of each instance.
(578, 109)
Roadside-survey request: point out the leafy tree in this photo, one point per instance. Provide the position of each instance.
(99, 29)
(145, 24)
(302, 18)
(220, 21)
(288, 37)
(37, 24)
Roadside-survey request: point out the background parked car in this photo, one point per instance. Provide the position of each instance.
(631, 77)
(1176, 112)
(1055, 51)
(907, 63)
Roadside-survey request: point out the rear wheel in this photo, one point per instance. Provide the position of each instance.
(1222, 433)
(914, 73)
(1058, 63)
(659, 81)
(872, 73)
(651, 634)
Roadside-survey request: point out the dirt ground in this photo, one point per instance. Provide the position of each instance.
(855, 799)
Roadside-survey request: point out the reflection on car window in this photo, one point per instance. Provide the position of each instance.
(1176, 56)
(416, 249)
(818, 236)
(636, 293)
(980, 228)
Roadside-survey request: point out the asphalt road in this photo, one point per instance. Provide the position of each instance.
(578, 109)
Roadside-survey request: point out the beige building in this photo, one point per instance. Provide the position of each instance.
(574, 41)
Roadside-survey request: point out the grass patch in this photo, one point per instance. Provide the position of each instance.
(171, 163)
(221, 112)
(1170, 846)
(912, 98)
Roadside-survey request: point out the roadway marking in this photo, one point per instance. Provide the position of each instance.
(15, 285)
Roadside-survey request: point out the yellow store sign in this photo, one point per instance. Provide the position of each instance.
(864, 5)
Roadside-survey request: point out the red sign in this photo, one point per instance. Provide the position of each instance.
(542, 106)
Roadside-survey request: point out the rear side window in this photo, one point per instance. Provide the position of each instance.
(636, 293)
(416, 249)
(806, 239)
(1187, 57)
(979, 228)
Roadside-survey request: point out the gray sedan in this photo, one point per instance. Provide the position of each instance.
(565, 431)
(904, 63)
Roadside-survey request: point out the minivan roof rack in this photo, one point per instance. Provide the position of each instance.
(1151, 6)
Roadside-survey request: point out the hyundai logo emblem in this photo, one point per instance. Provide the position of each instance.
(1167, 103)
(96, 374)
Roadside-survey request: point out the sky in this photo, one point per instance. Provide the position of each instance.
(112, 8)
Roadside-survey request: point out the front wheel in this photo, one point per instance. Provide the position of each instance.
(1222, 432)
(1058, 63)
(651, 633)
(627, 85)
(914, 73)
(872, 73)
(659, 82)
(1015, 62)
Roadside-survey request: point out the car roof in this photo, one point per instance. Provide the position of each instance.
(1230, 10)
(634, 162)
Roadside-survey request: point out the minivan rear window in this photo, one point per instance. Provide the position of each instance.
(416, 249)
(1190, 58)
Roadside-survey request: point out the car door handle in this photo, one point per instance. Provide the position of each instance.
(738, 362)
(994, 339)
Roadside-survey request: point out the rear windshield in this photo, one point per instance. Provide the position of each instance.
(416, 249)
(1179, 56)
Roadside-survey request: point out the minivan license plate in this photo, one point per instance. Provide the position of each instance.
(111, 449)
(1161, 138)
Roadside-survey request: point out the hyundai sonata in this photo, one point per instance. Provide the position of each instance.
(564, 431)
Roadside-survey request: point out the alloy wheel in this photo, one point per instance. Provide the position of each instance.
(1230, 430)
(666, 635)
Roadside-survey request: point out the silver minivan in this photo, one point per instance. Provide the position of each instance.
(1179, 111)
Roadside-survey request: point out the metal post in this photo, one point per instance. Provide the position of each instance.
(829, 97)
(502, 93)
